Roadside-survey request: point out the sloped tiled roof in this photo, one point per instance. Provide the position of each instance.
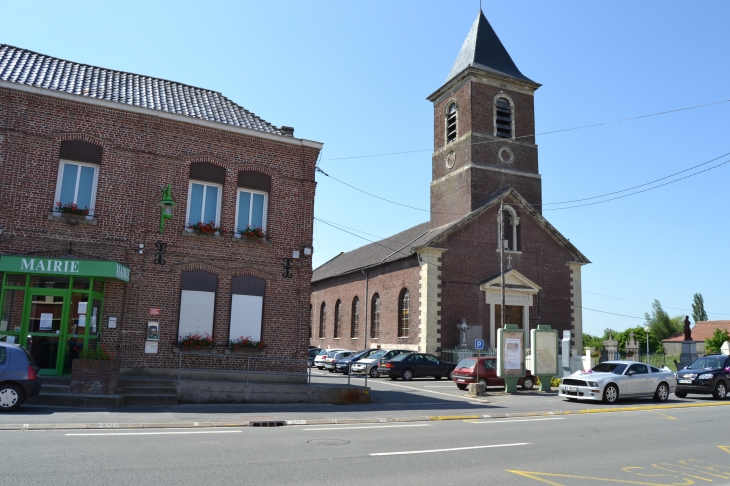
(33, 69)
(701, 331)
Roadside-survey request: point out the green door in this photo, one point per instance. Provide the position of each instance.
(44, 333)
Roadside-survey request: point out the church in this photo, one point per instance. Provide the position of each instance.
(486, 229)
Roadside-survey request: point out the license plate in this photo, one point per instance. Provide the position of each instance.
(461, 381)
(689, 382)
(570, 388)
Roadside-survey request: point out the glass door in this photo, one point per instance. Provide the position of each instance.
(47, 311)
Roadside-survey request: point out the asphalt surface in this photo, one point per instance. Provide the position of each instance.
(681, 446)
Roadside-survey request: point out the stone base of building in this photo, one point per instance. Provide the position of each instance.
(94, 376)
(191, 391)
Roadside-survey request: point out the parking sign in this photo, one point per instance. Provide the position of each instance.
(479, 344)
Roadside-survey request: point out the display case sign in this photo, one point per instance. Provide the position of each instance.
(544, 351)
(510, 352)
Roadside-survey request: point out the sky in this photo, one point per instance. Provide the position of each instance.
(355, 75)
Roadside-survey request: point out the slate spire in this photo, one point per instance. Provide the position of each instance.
(482, 49)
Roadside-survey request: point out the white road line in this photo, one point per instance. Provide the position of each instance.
(447, 450)
(160, 433)
(437, 393)
(441, 386)
(370, 427)
(501, 421)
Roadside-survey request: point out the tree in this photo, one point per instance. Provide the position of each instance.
(698, 309)
(713, 344)
(662, 326)
(590, 341)
(655, 344)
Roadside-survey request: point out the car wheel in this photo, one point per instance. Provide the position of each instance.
(571, 399)
(437, 377)
(528, 383)
(720, 390)
(483, 381)
(610, 394)
(461, 386)
(393, 378)
(374, 372)
(10, 398)
(448, 375)
(662, 393)
(330, 370)
(407, 375)
(680, 394)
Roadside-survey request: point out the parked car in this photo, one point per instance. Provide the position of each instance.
(333, 356)
(319, 359)
(369, 365)
(19, 377)
(610, 380)
(313, 352)
(417, 365)
(708, 375)
(466, 373)
(343, 365)
(388, 356)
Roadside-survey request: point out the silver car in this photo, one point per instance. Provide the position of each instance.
(610, 380)
(368, 365)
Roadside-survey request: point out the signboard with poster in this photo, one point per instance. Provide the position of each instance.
(510, 351)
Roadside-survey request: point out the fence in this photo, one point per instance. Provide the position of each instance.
(457, 354)
(655, 359)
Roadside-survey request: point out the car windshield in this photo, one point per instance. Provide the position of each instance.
(467, 363)
(615, 368)
(707, 363)
(400, 357)
(322, 352)
(377, 355)
(359, 354)
(331, 354)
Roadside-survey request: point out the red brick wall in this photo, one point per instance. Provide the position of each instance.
(387, 281)
(142, 154)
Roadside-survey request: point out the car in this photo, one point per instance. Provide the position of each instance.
(369, 365)
(708, 375)
(333, 356)
(313, 352)
(319, 359)
(19, 377)
(611, 380)
(343, 365)
(390, 355)
(417, 365)
(465, 373)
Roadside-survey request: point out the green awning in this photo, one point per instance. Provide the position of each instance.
(64, 266)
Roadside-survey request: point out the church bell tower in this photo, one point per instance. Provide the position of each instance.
(484, 127)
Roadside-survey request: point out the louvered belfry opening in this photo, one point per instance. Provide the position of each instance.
(503, 119)
(451, 124)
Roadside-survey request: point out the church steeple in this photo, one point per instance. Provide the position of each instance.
(482, 49)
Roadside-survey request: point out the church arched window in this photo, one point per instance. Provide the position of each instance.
(338, 319)
(375, 318)
(403, 313)
(510, 236)
(451, 115)
(322, 319)
(503, 117)
(355, 322)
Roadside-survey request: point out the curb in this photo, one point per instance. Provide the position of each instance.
(368, 420)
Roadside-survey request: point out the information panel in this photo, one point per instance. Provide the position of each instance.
(510, 353)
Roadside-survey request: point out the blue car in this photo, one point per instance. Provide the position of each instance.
(19, 378)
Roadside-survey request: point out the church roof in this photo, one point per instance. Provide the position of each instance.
(482, 49)
(39, 70)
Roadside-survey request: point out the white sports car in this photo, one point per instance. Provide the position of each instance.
(610, 380)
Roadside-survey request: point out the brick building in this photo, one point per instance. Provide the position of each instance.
(412, 289)
(131, 148)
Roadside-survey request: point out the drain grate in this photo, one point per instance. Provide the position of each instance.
(328, 442)
(267, 423)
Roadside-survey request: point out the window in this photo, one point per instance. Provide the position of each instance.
(503, 118)
(375, 318)
(338, 318)
(203, 203)
(355, 321)
(247, 307)
(77, 184)
(511, 235)
(451, 123)
(322, 319)
(251, 209)
(311, 319)
(403, 313)
(197, 303)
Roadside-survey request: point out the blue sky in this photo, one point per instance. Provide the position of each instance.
(355, 76)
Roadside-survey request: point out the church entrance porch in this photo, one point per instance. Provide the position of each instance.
(518, 298)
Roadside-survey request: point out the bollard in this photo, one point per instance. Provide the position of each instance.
(477, 389)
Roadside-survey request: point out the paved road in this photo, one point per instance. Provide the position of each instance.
(683, 446)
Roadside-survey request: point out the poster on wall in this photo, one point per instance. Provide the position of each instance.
(545, 352)
(46, 322)
(512, 354)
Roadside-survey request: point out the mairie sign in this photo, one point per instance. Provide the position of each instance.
(64, 266)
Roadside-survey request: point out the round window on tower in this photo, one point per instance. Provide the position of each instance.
(506, 155)
(450, 159)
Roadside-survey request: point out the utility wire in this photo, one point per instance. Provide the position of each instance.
(645, 303)
(544, 133)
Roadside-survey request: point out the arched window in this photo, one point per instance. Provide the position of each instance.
(503, 118)
(338, 318)
(311, 319)
(510, 237)
(355, 321)
(375, 318)
(322, 319)
(451, 123)
(403, 313)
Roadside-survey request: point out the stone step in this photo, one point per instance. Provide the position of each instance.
(56, 380)
(46, 389)
(149, 400)
(78, 400)
(146, 390)
(131, 382)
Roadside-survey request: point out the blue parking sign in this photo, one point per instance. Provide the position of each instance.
(479, 344)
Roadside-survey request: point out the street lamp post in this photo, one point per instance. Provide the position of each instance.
(647, 329)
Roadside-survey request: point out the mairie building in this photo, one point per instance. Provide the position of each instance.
(411, 290)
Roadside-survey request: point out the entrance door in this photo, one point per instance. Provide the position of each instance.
(45, 337)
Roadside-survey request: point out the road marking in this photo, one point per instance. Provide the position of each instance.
(537, 477)
(725, 448)
(370, 427)
(160, 433)
(438, 393)
(447, 450)
(441, 386)
(501, 421)
(665, 415)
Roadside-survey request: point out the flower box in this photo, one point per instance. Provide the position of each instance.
(245, 351)
(95, 376)
(194, 349)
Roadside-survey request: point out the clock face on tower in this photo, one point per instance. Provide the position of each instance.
(450, 159)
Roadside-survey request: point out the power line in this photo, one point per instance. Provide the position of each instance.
(544, 133)
(645, 303)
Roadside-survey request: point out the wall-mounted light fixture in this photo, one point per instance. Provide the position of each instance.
(141, 248)
(167, 204)
(307, 250)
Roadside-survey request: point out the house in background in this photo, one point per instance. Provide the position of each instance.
(701, 331)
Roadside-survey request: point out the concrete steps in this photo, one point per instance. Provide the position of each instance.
(130, 391)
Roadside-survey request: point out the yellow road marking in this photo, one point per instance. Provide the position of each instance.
(725, 448)
(665, 415)
(536, 477)
(454, 417)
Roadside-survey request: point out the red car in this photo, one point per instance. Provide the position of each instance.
(465, 373)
